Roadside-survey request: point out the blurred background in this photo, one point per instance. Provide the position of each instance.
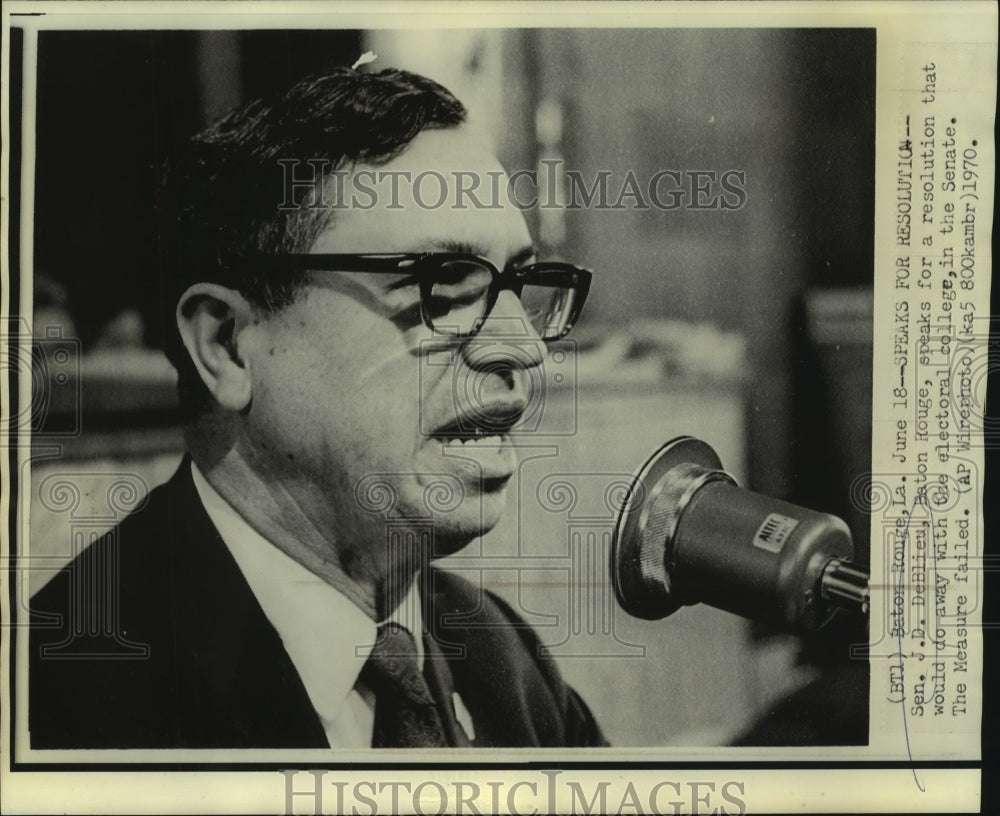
(749, 328)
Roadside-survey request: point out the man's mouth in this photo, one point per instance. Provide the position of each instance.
(479, 430)
(479, 445)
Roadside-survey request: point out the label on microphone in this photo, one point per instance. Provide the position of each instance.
(774, 532)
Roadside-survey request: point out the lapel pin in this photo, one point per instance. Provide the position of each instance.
(463, 716)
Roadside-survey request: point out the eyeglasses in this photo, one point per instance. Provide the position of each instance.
(458, 291)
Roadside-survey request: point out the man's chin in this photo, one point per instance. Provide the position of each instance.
(475, 517)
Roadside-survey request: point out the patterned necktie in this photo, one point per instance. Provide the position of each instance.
(405, 714)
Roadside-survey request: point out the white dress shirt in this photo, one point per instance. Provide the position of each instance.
(326, 635)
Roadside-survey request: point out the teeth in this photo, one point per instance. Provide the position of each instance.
(479, 442)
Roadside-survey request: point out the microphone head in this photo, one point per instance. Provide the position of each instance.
(647, 522)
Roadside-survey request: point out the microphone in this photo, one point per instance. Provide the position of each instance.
(687, 534)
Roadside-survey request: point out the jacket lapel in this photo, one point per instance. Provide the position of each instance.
(239, 686)
(446, 698)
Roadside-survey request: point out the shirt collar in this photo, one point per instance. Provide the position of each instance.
(326, 635)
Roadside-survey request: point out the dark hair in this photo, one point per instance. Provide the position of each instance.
(222, 194)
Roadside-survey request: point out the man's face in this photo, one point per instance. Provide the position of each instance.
(357, 406)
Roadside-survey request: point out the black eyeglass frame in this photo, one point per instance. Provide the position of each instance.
(546, 273)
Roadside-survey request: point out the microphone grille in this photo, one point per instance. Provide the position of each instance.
(641, 559)
(656, 527)
(648, 544)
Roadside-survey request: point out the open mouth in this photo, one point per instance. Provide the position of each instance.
(478, 431)
(480, 448)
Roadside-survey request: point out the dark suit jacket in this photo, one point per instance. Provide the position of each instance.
(152, 638)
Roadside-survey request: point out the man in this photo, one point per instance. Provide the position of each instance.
(350, 369)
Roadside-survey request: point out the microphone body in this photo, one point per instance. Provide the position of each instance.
(688, 534)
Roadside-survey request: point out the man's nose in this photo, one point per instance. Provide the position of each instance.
(507, 338)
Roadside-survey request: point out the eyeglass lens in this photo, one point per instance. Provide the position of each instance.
(548, 308)
(459, 299)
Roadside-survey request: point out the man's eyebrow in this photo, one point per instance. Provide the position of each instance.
(514, 260)
(521, 256)
(446, 245)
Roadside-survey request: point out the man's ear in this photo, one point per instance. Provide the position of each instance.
(209, 319)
